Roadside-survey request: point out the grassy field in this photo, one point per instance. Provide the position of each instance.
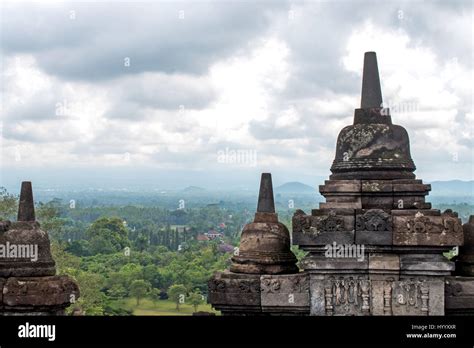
(162, 307)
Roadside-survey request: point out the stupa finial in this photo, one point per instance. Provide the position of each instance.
(26, 208)
(371, 91)
(266, 203)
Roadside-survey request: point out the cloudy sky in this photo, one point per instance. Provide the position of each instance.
(212, 93)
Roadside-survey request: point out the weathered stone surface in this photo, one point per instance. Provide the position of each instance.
(234, 293)
(465, 262)
(321, 264)
(425, 264)
(373, 226)
(264, 248)
(459, 294)
(285, 293)
(381, 299)
(416, 296)
(372, 151)
(50, 295)
(265, 243)
(384, 266)
(323, 227)
(337, 294)
(419, 229)
(340, 186)
(32, 250)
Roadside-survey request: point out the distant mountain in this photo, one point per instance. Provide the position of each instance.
(452, 188)
(295, 187)
(194, 189)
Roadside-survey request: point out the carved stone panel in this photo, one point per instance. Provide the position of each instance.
(234, 289)
(323, 227)
(416, 296)
(373, 227)
(418, 229)
(346, 295)
(285, 292)
(381, 298)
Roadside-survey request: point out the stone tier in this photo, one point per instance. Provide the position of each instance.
(381, 194)
(48, 295)
(409, 227)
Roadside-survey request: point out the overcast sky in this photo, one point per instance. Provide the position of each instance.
(165, 93)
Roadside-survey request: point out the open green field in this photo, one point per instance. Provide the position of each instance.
(162, 307)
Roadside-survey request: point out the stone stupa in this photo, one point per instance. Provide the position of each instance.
(263, 277)
(28, 281)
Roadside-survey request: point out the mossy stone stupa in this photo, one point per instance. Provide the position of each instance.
(373, 147)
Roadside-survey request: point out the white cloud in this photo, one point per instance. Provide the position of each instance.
(254, 79)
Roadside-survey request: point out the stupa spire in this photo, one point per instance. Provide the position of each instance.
(371, 91)
(26, 208)
(266, 202)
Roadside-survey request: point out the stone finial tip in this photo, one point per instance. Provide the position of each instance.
(266, 203)
(26, 208)
(371, 91)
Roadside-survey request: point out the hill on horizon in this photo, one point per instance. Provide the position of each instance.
(295, 187)
(194, 189)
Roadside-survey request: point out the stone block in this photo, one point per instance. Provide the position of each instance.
(340, 295)
(426, 230)
(381, 299)
(241, 291)
(425, 264)
(373, 227)
(323, 227)
(370, 201)
(323, 264)
(376, 186)
(285, 293)
(340, 186)
(459, 295)
(39, 292)
(384, 266)
(417, 296)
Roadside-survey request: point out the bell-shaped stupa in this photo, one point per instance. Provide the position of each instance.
(265, 243)
(373, 147)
